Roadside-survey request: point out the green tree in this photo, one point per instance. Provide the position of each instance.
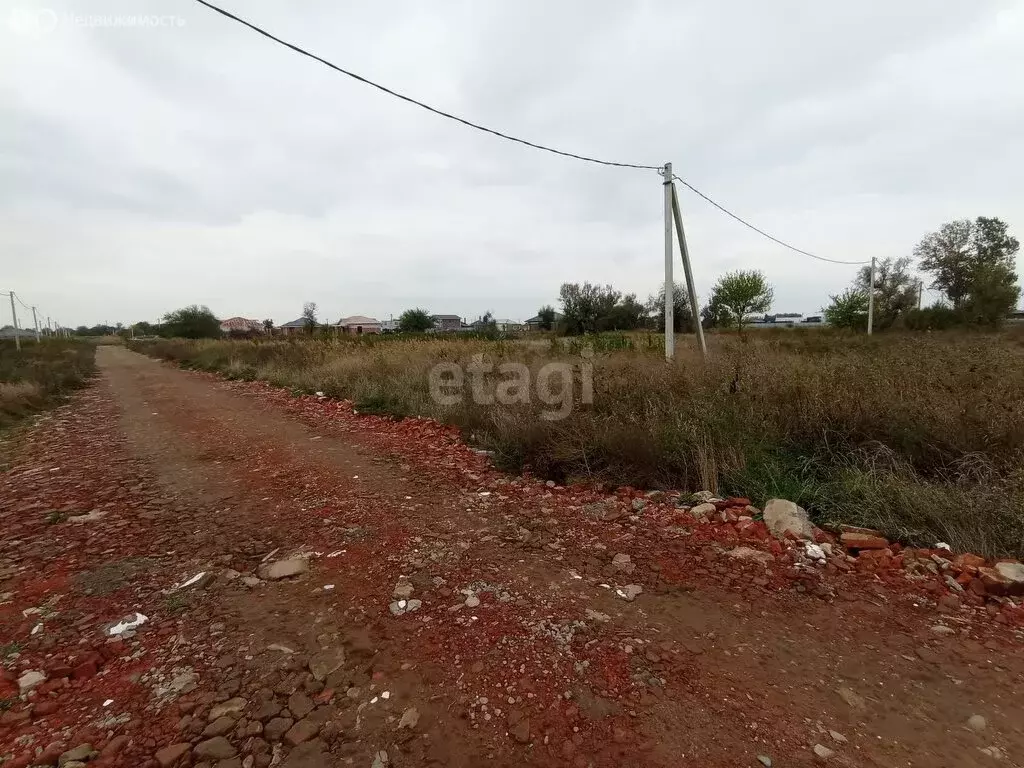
(682, 316)
(547, 317)
(848, 310)
(268, 326)
(742, 293)
(309, 316)
(895, 290)
(626, 314)
(973, 264)
(586, 308)
(192, 322)
(415, 321)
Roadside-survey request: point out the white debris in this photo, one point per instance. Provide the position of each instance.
(386, 695)
(485, 493)
(943, 545)
(190, 582)
(37, 629)
(30, 680)
(629, 591)
(814, 552)
(328, 586)
(108, 702)
(336, 552)
(398, 607)
(320, 394)
(127, 624)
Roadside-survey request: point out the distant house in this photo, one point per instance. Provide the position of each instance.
(537, 323)
(814, 319)
(388, 326)
(358, 325)
(293, 328)
(239, 326)
(446, 323)
(509, 325)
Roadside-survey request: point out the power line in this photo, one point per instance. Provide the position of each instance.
(746, 223)
(410, 100)
(260, 31)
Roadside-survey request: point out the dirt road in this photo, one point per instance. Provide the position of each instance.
(444, 614)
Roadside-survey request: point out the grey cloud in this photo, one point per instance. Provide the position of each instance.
(206, 150)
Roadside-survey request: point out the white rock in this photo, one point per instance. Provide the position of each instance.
(127, 624)
(822, 751)
(629, 592)
(703, 510)
(977, 723)
(282, 569)
(30, 680)
(472, 601)
(814, 552)
(398, 607)
(1012, 572)
(837, 736)
(782, 517)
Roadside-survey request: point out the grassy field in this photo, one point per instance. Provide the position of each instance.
(40, 374)
(920, 435)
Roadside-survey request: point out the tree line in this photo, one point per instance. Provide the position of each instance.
(970, 263)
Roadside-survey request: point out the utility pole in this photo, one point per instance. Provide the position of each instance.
(871, 297)
(670, 339)
(14, 315)
(920, 290)
(691, 289)
(35, 321)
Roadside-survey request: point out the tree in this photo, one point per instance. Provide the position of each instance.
(268, 326)
(309, 316)
(585, 307)
(192, 322)
(626, 314)
(547, 317)
(741, 293)
(682, 316)
(895, 290)
(973, 264)
(848, 310)
(415, 321)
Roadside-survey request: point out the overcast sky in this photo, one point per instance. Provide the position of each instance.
(145, 168)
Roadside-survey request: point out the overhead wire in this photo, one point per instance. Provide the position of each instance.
(760, 231)
(303, 52)
(410, 100)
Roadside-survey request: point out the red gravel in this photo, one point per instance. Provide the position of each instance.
(717, 661)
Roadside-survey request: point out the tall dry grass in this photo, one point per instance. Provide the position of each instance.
(921, 435)
(39, 374)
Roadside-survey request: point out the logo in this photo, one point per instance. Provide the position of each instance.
(33, 23)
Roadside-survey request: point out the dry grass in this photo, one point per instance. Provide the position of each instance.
(921, 435)
(39, 374)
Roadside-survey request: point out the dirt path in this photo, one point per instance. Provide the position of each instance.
(511, 644)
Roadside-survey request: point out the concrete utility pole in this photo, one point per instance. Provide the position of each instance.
(691, 289)
(871, 298)
(14, 315)
(35, 322)
(670, 339)
(920, 290)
